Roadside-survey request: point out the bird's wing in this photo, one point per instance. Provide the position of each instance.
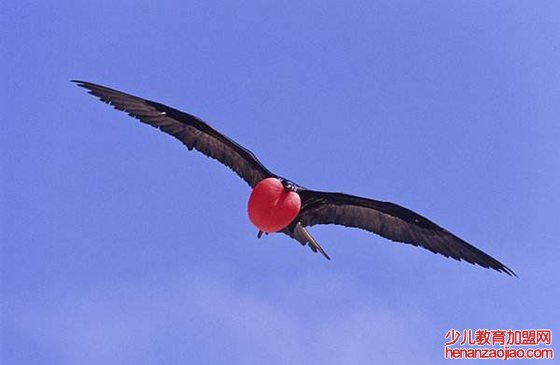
(390, 221)
(187, 128)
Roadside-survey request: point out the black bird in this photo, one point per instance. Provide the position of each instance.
(303, 207)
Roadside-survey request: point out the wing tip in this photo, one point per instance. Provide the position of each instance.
(491, 263)
(79, 82)
(86, 85)
(507, 270)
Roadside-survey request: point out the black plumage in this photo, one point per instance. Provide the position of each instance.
(383, 218)
(192, 131)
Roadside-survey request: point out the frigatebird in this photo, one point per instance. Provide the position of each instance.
(277, 204)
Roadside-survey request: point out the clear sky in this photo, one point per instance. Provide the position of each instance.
(119, 246)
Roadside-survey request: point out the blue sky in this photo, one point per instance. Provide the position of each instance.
(118, 246)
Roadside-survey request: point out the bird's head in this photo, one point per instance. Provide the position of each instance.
(289, 185)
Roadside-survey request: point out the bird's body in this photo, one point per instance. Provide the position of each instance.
(279, 205)
(272, 206)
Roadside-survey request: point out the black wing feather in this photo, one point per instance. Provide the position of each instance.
(390, 221)
(187, 128)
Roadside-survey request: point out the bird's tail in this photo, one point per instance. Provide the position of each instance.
(303, 236)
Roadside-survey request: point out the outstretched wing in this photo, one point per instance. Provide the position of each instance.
(390, 221)
(187, 128)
